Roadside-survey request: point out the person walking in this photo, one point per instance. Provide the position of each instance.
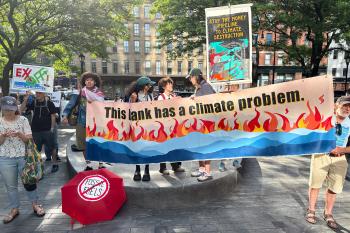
(166, 89)
(15, 132)
(89, 92)
(202, 88)
(330, 167)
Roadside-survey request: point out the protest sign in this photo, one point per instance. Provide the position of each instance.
(36, 78)
(293, 118)
(229, 39)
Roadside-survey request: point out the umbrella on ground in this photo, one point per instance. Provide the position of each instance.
(93, 196)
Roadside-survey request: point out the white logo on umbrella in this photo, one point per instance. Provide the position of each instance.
(93, 188)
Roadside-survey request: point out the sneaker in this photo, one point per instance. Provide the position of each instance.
(58, 159)
(48, 159)
(88, 168)
(197, 173)
(179, 169)
(54, 168)
(204, 177)
(222, 167)
(236, 163)
(164, 172)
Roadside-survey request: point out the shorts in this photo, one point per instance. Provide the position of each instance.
(330, 169)
(81, 137)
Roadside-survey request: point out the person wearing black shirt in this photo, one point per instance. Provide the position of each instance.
(43, 124)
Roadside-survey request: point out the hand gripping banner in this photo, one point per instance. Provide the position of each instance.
(293, 118)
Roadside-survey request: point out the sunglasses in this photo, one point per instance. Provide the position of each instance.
(338, 129)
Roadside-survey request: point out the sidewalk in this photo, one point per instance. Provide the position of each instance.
(271, 196)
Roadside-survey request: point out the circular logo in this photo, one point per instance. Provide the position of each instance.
(93, 188)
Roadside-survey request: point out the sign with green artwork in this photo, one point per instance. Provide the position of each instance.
(229, 39)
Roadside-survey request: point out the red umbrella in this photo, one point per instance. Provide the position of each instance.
(93, 196)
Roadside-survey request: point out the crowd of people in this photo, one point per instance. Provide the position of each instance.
(36, 118)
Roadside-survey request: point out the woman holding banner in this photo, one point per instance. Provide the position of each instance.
(202, 88)
(89, 92)
(139, 91)
(165, 93)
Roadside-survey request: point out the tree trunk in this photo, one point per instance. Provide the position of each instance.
(5, 78)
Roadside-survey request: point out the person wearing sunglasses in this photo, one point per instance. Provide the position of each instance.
(330, 167)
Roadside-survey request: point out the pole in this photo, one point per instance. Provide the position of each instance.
(346, 78)
(274, 57)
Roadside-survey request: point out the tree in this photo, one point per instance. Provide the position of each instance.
(317, 21)
(76, 25)
(184, 23)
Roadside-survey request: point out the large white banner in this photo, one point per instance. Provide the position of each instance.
(36, 78)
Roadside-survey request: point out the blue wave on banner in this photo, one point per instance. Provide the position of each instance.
(197, 146)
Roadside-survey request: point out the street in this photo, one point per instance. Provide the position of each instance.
(271, 196)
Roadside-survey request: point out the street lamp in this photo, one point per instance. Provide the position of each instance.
(82, 62)
(347, 61)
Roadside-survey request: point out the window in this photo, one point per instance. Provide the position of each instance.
(126, 67)
(115, 67)
(189, 65)
(169, 67)
(200, 65)
(254, 58)
(169, 47)
(147, 46)
(156, 28)
(158, 15)
(255, 39)
(93, 67)
(126, 46)
(200, 50)
(179, 67)
(148, 67)
(279, 78)
(137, 67)
(158, 67)
(147, 29)
(137, 46)
(334, 72)
(136, 29)
(267, 59)
(136, 11)
(263, 80)
(146, 11)
(158, 49)
(280, 60)
(344, 72)
(268, 38)
(335, 54)
(104, 67)
(115, 49)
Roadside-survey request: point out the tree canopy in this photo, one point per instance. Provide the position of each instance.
(55, 26)
(319, 21)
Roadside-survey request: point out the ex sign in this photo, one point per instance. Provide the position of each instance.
(36, 78)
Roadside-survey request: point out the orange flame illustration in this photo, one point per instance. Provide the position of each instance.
(274, 122)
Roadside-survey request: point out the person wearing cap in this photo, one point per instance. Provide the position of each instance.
(330, 167)
(15, 132)
(202, 88)
(139, 91)
(43, 124)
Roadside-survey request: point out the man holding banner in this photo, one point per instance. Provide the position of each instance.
(331, 167)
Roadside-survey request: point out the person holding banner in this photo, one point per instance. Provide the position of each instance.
(139, 91)
(330, 167)
(15, 132)
(166, 92)
(202, 88)
(90, 92)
